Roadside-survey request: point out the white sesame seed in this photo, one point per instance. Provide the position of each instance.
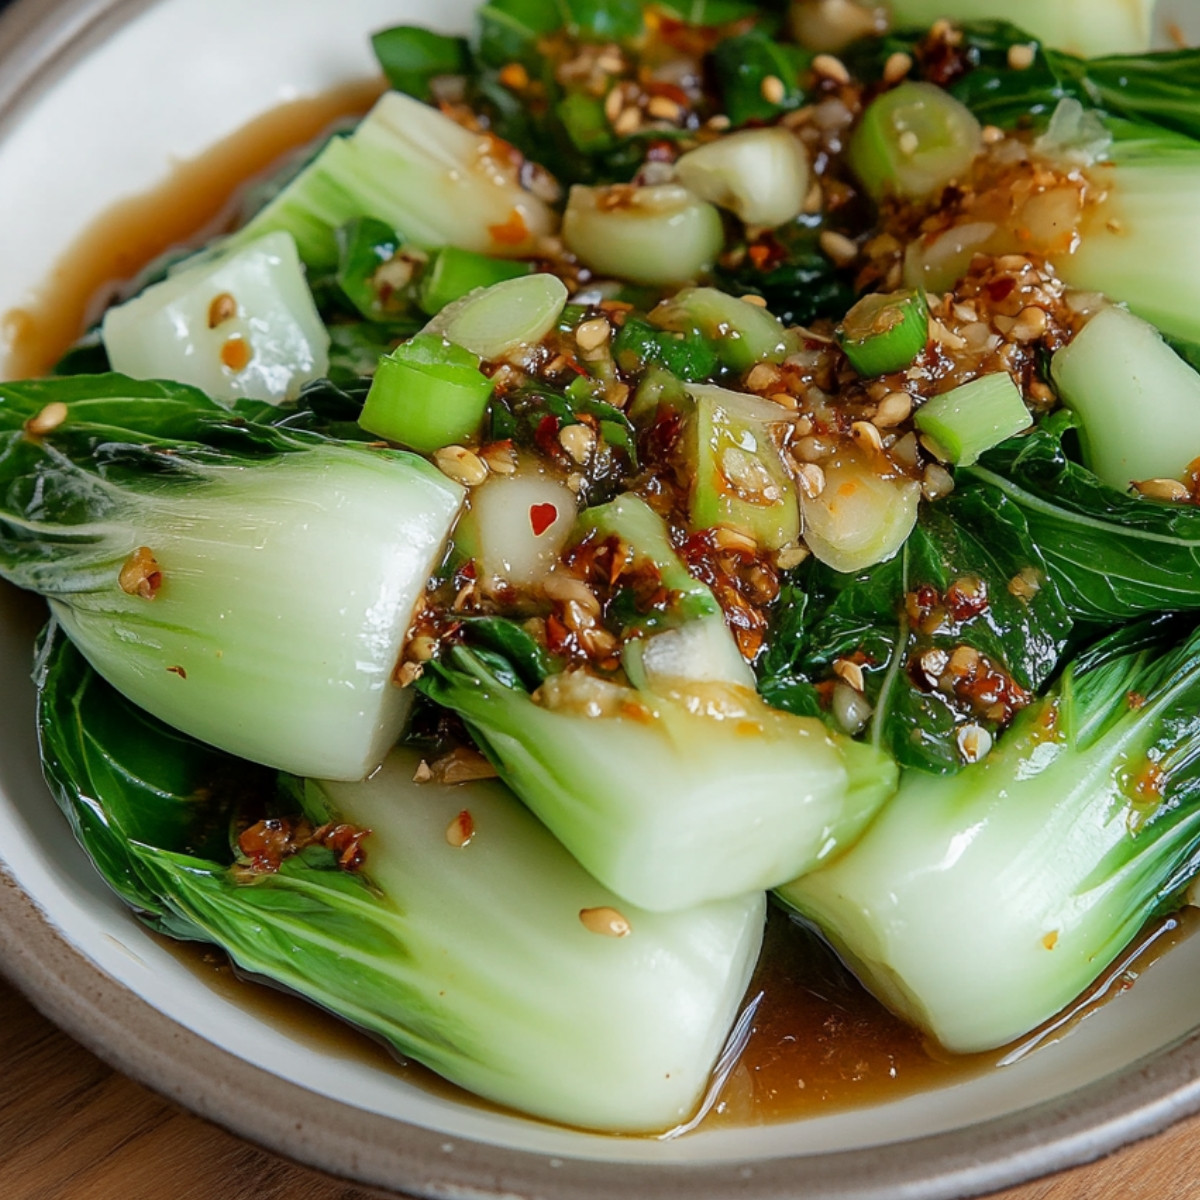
(838, 248)
(605, 921)
(1021, 56)
(48, 419)
(894, 408)
(578, 441)
(772, 89)
(1163, 489)
(974, 742)
(462, 465)
(591, 335)
(866, 435)
(897, 66)
(830, 67)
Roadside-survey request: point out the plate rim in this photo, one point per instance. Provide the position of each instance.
(37, 43)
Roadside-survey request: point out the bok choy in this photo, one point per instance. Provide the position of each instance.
(675, 788)
(466, 937)
(251, 586)
(979, 905)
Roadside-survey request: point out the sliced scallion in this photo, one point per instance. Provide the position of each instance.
(885, 331)
(975, 417)
(426, 394)
(912, 141)
(652, 235)
(493, 322)
(453, 272)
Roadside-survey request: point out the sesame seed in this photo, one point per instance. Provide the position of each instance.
(866, 435)
(140, 574)
(851, 673)
(664, 108)
(1031, 324)
(992, 134)
(1025, 584)
(605, 921)
(421, 648)
(974, 742)
(815, 199)
(501, 457)
(461, 465)
(735, 540)
(223, 308)
(812, 479)
(629, 121)
(790, 557)
(897, 66)
(407, 674)
(757, 301)
(568, 590)
(909, 143)
(772, 89)
(829, 67)
(47, 420)
(591, 335)
(894, 408)
(718, 122)
(1163, 489)
(763, 378)
(1021, 56)
(937, 482)
(613, 103)
(934, 664)
(578, 441)
(837, 247)
(461, 830)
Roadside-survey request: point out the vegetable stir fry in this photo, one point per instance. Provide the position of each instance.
(663, 458)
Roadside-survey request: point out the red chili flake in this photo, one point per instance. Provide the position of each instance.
(1000, 289)
(512, 232)
(541, 517)
(966, 598)
(269, 842)
(546, 437)
(178, 671)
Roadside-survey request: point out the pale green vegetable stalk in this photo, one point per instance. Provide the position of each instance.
(652, 235)
(467, 938)
(407, 164)
(1136, 400)
(242, 325)
(761, 175)
(1141, 245)
(250, 586)
(1086, 27)
(672, 791)
(853, 516)
(495, 321)
(977, 905)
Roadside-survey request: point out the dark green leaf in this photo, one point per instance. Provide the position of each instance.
(973, 535)
(741, 65)
(1112, 555)
(412, 57)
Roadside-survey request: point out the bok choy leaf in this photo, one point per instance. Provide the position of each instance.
(977, 906)
(250, 584)
(477, 954)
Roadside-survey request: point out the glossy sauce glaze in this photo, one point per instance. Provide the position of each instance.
(814, 1039)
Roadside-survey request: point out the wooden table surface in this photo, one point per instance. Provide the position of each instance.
(73, 1129)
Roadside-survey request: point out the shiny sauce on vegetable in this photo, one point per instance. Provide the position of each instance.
(818, 1041)
(814, 1040)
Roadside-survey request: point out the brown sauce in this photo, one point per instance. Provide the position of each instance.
(817, 1040)
(197, 200)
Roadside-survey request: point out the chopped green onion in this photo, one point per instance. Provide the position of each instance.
(686, 354)
(741, 333)
(453, 272)
(761, 175)
(885, 331)
(651, 235)
(428, 393)
(493, 322)
(973, 418)
(912, 141)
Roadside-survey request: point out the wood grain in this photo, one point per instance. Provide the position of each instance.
(73, 1129)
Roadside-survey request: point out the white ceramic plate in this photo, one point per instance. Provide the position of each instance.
(96, 98)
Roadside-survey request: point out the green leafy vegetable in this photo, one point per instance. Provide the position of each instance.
(970, 575)
(190, 553)
(978, 906)
(412, 57)
(472, 954)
